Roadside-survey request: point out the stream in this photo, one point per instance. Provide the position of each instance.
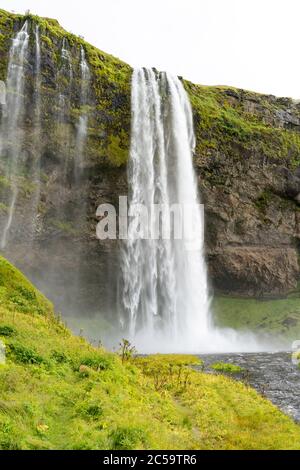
(271, 374)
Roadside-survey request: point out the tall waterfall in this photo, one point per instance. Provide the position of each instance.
(36, 170)
(12, 134)
(64, 81)
(37, 76)
(83, 118)
(165, 295)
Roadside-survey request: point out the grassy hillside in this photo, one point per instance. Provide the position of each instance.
(278, 318)
(59, 392)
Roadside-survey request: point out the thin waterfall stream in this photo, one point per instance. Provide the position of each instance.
(12, 133)
(82, 125)
(36, 170)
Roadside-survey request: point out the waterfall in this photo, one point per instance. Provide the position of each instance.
(37, 76)
(64, 84)
(83, 118)
(36, 170)
(164, 296)
(12, 134)
(64, 80)
(165, 306)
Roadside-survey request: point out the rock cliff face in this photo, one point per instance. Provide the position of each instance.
(250, 186)
(247, 161)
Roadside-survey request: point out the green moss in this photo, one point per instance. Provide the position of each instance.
(227, 126)
(263, 200)
(3, 208)
(226, 368)
(279, 318)
(17, 293)
(4, 182)
(117, 153)
(63, 226)
(47, 40)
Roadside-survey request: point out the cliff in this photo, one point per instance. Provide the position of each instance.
(247, 162)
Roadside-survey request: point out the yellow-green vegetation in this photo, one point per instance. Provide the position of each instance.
(226, 368)
(280, 317)
(59, 392)
(223, 122)
(63, 226)
(109, 116)
(235, 123)
(17, 294)
(117, 152)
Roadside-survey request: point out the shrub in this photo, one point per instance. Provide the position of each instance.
(96, 362)
(91, 410)
(6, 330)
(127, 350)
(59, 357)
(24, 355)
(128, 438)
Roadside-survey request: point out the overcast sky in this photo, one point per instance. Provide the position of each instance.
(252, 44)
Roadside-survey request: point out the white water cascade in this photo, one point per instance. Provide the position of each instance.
(83, 118)
(65, 77)
(64, 84)
(12, 134)
(36, 170)
(165, 292)
(165, 300)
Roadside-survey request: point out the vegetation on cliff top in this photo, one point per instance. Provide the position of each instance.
(59, 392)
(109, 110)
(231, 122)
(239, 123)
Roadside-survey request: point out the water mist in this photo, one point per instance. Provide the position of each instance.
(165, 298)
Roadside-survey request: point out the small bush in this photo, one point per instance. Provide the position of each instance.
(59, 357)
(24, 355)
(9, 440)
(126, 351)
(27, 294)
(6, 330)
(128, 438)
(91, 410)
(96, 362)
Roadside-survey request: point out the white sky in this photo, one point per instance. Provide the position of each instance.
(252, 44)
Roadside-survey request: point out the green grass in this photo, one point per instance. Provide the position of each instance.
(59, 392)
(280, 318)
(227, 368)
(228, 127)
